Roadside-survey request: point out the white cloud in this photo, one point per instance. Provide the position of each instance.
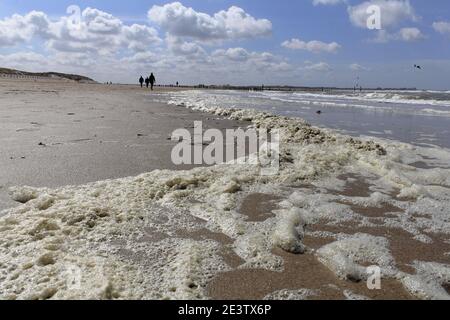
(101, 22)
(18, 29)
(410, 34)
(185, 48)
(328, 2)
(141, 58)
(393, 12)
(234, 54)
(139, 37)
(234, 23)
(317, 67)
(442, 27)
(127, 50)
(19, 58)
(97, 32)
(312, 46)
(358, 67)
(241, 61)
(404, 34)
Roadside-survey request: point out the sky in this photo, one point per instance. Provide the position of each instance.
(341, 43)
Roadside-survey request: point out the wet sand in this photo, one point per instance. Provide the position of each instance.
(304, 271)
(57, 133)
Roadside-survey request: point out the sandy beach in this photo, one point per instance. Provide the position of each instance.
(104, 197)
(58, 133)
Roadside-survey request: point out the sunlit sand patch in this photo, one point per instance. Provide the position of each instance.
(300, 272)
(355, 186)
(258, 207)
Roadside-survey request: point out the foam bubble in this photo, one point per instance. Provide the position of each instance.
(301, 294)
(289, 232)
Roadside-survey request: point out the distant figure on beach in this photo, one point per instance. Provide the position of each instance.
(147, 82)
(177, 83)
(152, 80)
(141, 81)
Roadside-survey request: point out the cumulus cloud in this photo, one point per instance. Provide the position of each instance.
(231, 65)
(101, 22)
(16, 59)
(410, 34)
(358, 67)
(18, 29)
(234, 23)
(404, 34)
(58, 61)
(185, 48)
(312, 46)
(393, 12)
(317, 67)
(328, 2)
(233, 54)
(141, 58)
(97, 31)
(240, 57)
(442, 27)
(129, 49)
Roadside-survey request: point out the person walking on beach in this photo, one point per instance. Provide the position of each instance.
(152, 80)
(141, 81)
(147, 82)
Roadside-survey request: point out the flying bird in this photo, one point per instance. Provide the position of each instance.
(417, 67)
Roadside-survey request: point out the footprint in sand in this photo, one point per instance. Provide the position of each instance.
(27, 130)
(78, 141)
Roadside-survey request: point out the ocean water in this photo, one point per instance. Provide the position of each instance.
(418, 117)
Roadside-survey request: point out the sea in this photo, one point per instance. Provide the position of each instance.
(418, 117)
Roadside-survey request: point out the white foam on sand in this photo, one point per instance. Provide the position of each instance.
(100, 228)
(427, 283)
(289, 232)
(295, 295)
(349, 295)
(348, 258)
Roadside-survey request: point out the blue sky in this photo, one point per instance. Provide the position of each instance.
(325, 44)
